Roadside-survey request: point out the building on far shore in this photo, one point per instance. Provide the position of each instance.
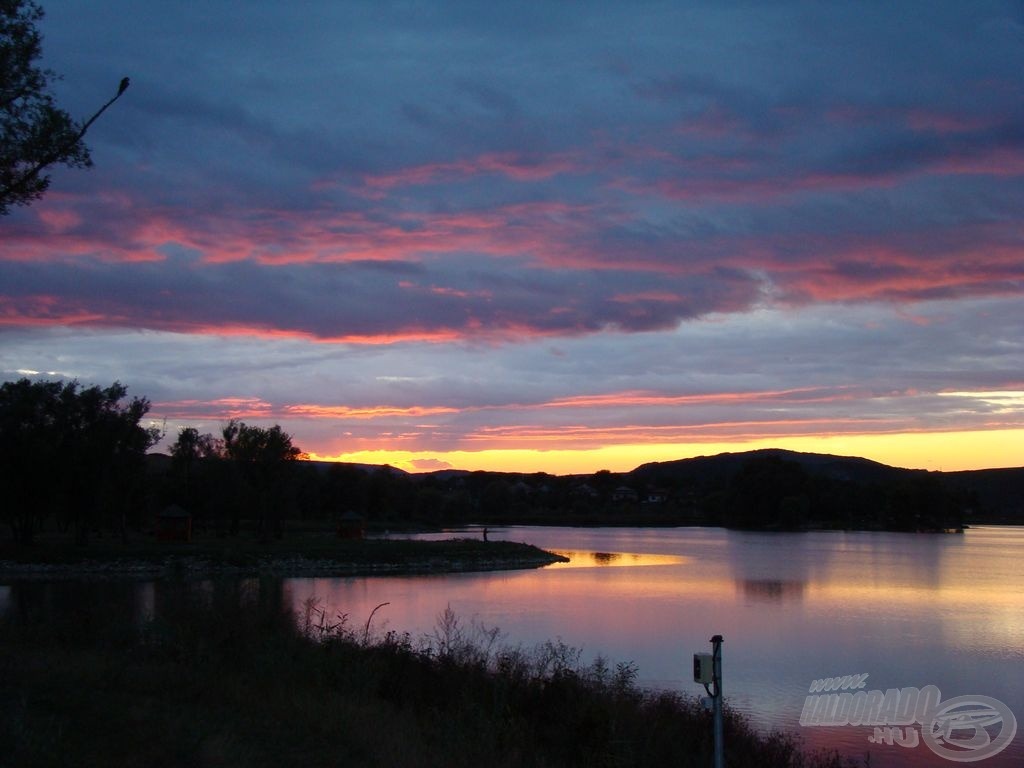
(351, 526)
(625, 494)
(174, 524)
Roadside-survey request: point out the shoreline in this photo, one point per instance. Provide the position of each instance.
(240, 682)
(377, 557)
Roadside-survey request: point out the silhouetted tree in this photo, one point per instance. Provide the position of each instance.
(920, 503)
(76, 451)
(34, 133)
(345, 490)
(429, 503)
(187, 453)
(192, 446)
(29, 446)
(264, 457)
(496, 500)
(768, 492)
(389, 494)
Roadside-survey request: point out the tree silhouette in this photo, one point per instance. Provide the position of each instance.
(71, 451)
(34, 133)
(264, 457)
(768, 492)
(186, 454)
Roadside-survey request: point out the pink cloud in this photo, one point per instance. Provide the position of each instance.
(947, 122)
(367, 412)
(516, 166)
(665, 296)
(656, 399)
(221, 409)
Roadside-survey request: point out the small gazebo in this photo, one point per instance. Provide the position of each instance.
(351, 526)
(174, 524)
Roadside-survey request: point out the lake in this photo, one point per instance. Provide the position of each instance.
(907, 610)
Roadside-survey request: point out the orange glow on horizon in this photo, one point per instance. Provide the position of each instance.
(944, 451)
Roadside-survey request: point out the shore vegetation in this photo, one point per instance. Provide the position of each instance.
(236, 678)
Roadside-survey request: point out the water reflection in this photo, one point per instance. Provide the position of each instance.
(616, 559)
(770, 590)
(82, 606)
(70, 604)
(911, 610)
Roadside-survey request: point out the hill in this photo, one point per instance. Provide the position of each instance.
(981, 496)
(998, 494)
(726, 465)
(764, 489)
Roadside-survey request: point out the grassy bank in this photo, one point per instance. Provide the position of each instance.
(240, 682)
(303, 552)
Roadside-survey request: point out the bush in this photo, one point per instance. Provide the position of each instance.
(229, 676)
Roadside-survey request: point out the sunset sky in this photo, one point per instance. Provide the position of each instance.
(541, 236)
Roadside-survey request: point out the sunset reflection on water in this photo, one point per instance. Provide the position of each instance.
(906, 609)
(612, 559)
(909, 609)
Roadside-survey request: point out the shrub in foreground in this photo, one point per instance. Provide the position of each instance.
(237, 680)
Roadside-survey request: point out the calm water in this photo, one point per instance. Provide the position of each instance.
(907, 609)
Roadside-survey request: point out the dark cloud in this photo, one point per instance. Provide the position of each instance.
(682, 199)
(460, 295)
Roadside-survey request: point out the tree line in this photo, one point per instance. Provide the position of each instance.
(245, 471)
(72, 454)
(78, 458)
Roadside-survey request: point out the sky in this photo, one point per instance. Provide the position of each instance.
(540, 236)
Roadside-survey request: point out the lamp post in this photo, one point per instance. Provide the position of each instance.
(716, 646)
(707, 670)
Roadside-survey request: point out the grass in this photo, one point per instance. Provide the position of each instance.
(233, 678)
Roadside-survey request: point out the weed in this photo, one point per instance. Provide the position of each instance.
(232, 677)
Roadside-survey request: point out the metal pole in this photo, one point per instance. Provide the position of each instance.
(716, 648)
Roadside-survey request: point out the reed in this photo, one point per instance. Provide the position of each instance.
(246, 682)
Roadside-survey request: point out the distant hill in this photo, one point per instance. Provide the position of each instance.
(998, 493)
(323, 466)
(988, 495)
(725, 465)
(770, 488)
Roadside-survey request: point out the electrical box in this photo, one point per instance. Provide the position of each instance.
(703, 668)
